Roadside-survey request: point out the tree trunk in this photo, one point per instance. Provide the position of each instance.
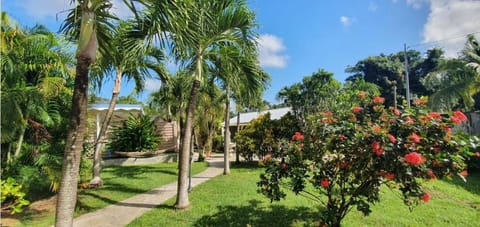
(20, 142)
(184, 155)
(97, 161)
(237, 154)
(67, 194)
(226, 147)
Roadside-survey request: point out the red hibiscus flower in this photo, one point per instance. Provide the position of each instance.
(414, 138)
(396, 112)
(392, 138)
(357, 109)
(325, 182)
(460, 116)
(378, 100)
(297, 136)
(464, 173)
(435, 115)
(414, 158)
(409, 120)
(425, 197)
(431, 174)
(390, 176)
(377, 148)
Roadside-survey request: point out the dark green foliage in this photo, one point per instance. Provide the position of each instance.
(137, 133)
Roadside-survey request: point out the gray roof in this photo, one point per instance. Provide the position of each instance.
(275, 114)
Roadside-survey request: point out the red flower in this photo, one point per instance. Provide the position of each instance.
(297, 136)
(464, 173)
(376, 129)
(425, 197)
(435, 115)
(325, 182)
(414, 158)
(431, 174)
(460, 116)
(396, 112)
(390, 176)
(357, 109)
(283, 165)
(361, 94)
(378, 100)
(409, 120)
(477, 154)
(342, 137)
(377, 148)
(455, 120)
(392, 138)
(414, 138)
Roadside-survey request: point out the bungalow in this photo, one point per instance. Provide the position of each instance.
(244, 118)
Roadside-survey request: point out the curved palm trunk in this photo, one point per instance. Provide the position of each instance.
(184, 155)
(237, 154)
(20, 142)
(97, 161)
(67, 194)
(226, 147)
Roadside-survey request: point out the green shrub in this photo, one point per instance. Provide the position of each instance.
(136, 134)
(12, 195)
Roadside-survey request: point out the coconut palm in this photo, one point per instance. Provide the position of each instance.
(89, 24)
(124, 63)
(471, 52)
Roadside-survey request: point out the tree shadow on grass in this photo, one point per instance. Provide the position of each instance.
(136, 171)
(472, 185)
(254, 215)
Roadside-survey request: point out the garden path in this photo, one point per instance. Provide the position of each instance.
(126, 211)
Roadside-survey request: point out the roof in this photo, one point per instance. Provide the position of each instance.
(275, 114)
(126, 107)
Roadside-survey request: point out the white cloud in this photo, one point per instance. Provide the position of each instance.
(449, 22)
(372, 7)
(270, 50)
(346, 21)
(417, 4)
(152, 85)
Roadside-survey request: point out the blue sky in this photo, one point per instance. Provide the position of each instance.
(299, 37)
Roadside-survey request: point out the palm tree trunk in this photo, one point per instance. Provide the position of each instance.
(226, 147)
(97, 161)
(184, 155)
(67, 194)
(237, 154)
(20, 142)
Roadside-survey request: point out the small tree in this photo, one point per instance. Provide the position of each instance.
(347, 155)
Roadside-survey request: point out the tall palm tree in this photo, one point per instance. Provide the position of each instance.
(88, 23)
(128, 64)
(471, 52)
(239, 71)
(216, 24)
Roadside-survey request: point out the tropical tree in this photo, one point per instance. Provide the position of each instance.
(471, 52)
(89, 23)
(124, 63)
(215, 24)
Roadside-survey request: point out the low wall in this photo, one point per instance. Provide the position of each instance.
(170, 157)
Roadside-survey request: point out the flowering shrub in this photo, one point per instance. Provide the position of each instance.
(347, 155)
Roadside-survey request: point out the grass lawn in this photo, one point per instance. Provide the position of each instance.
(233, 201)
(120, 182)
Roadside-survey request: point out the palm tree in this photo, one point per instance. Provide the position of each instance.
(126, 64)
(240, 72)
(216, 24)
(89, 24)
(471, 52)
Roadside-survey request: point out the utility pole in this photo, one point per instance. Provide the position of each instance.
(407, 80)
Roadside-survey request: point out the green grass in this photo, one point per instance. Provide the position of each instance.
(233, 201)
(120, 182)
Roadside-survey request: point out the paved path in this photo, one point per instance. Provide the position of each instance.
(126, 211)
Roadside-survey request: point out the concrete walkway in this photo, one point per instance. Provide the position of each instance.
(126, 211)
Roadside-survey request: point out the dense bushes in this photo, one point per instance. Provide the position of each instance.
(136, 134)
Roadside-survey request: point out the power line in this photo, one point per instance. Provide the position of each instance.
(443, 40)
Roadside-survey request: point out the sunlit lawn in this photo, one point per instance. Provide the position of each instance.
(120, 182)
(233, 201)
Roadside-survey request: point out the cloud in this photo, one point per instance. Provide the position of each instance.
(346, 21)
(417, 4)
(449, 22)
(152, 85)
(372, 7)
(270, 50)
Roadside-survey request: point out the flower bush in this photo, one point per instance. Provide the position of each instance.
(347, 155)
